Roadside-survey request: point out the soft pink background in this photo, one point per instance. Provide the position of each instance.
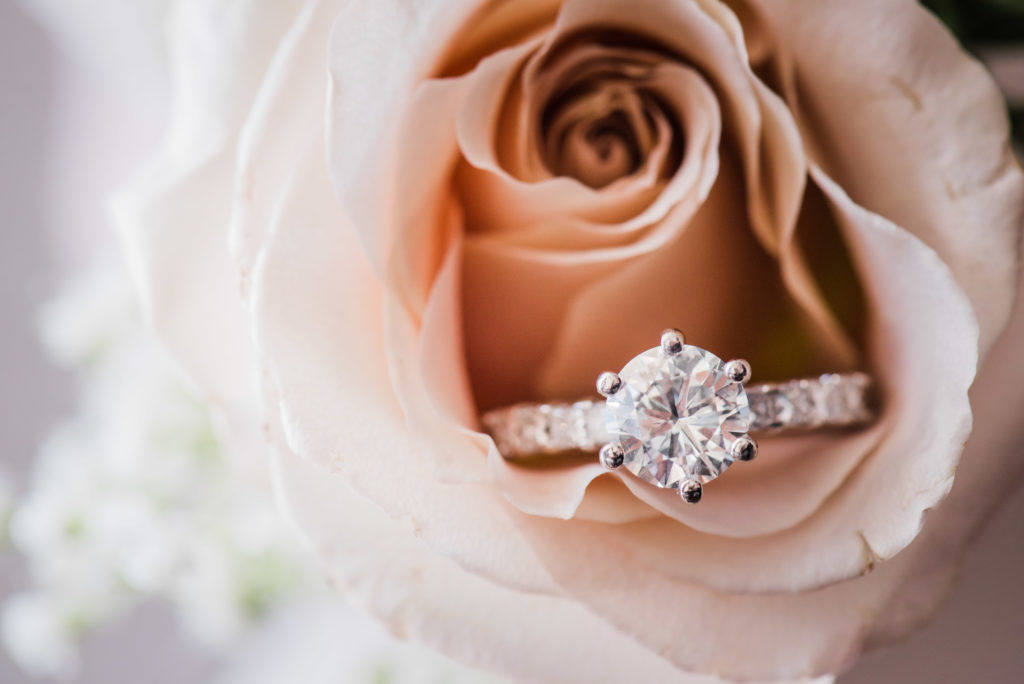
(978, 637)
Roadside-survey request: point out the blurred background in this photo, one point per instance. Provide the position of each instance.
(59, 155)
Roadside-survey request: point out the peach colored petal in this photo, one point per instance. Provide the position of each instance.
(494, 26)
(557, 492)
(905, 102)
(492, 86)
(781, 139)
(428, 365)
(427, 218)
(770, 144)
(609, 501)
(318, 325)
(506, 344)
(440, 360)
(490, 204)
(790, 481)
(373, 76)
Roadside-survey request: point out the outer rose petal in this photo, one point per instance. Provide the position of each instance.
(318, 326)
(903, 100)
(369, 90)
(992, 466)
(173, 213)
(290, 98)
(423, 596)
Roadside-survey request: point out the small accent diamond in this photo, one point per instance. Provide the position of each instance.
(771, 408)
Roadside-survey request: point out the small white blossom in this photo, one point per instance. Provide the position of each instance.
(132, 497)
(39, 632)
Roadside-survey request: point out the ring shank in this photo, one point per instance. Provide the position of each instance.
(830, 400)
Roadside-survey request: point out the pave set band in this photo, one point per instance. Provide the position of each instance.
(528, 430)
(677, 416)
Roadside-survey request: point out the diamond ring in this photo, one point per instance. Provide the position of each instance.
(677, 416)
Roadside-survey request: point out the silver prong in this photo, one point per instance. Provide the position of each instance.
(672, 341)
(608, 384)
(744, 449)
(612, 456)
(738, 370)
(691, 491)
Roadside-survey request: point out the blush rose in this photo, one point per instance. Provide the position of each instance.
(520, 194)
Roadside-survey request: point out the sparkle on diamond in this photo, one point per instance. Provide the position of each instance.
(677, 417)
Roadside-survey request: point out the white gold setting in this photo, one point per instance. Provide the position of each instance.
(677, 416)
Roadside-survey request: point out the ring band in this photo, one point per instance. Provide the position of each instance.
(677, 416)
(526, 430)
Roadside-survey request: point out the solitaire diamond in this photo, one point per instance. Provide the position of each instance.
(676, 416)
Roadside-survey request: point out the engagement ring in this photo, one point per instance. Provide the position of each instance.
(677, 416)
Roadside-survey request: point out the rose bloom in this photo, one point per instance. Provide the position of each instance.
(373, 220)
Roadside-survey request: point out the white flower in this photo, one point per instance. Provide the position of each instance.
(134, 496)
(39, 632)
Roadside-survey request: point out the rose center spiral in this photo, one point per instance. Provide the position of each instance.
(601, 128)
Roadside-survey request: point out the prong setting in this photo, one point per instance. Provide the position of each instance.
(744, 448)
(608, 384)
(738, 370)
(612, 456)
(691, 491)
(672, 341)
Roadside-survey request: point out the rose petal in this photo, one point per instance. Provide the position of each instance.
(422, 596)
(992, 466)
(925, 385)
(332, 390)
(904, 101)
(165, 216)
(437, 404)
(290, 98)
(373, 76)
